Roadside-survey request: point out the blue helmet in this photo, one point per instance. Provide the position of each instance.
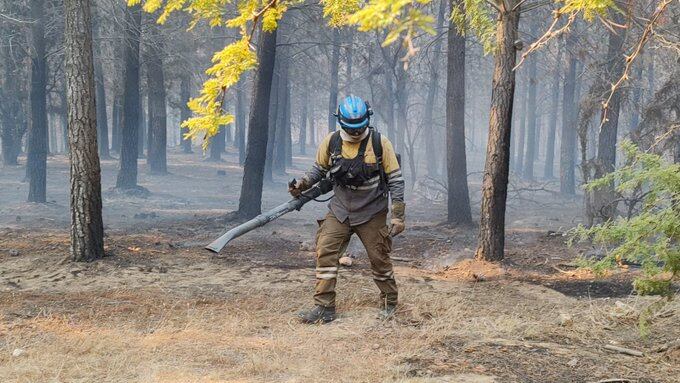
(353, 113)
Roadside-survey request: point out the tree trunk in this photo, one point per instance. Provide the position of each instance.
(458, 194)
(87, 228)
(185, 112)
(548, 171)
(250, 201)
(604, 205)
(335, 64)
(568, 136)
(530, 153)
(36, 164)
(158, 135)
(217, 145)
(241, 122)
(127, 174)
(495, 185)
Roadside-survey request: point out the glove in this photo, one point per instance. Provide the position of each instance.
(295, 187)
(397, 224)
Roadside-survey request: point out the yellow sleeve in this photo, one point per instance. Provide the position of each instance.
(323, 158)
(389, 160)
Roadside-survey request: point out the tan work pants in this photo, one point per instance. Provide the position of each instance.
(332, 239)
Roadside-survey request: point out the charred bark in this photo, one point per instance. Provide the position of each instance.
(250, 201)
(495, 184)
(458, 194)
(127, 174)
(604, 205)
(37, 146)
(157, 135)
(87, 229)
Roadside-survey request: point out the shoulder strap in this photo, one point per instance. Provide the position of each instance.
(335, 144)
(377, 145)
(362, 147)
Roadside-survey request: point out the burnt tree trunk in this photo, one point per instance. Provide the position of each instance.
(157, 135)
(185, 112)
(604, 205)
(335, 65)
(548, 171)
(568, 136)
(217, 145)
(250, 201)
(495, 184)
(87, 228)
(36, 163)
(127, 173)
(458, 194)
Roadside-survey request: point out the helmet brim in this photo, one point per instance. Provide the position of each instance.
(357, 125)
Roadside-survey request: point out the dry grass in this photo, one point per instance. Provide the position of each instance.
(246, 331)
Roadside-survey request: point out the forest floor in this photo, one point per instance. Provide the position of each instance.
(159, 308)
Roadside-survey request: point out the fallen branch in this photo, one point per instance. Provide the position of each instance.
(402, 259)
(623, 350)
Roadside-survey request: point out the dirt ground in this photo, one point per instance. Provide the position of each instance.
(159, 308)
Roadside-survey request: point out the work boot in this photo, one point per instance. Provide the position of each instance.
(319, 314)
(387, 312)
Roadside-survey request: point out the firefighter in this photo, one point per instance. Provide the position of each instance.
(365, 173)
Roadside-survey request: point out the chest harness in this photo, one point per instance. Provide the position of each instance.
(355, 173)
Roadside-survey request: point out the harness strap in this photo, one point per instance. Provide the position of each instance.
(362, 147)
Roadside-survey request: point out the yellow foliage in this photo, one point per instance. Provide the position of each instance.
(228, 66)
(590, 8)
(338, 11)
(401, 19)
